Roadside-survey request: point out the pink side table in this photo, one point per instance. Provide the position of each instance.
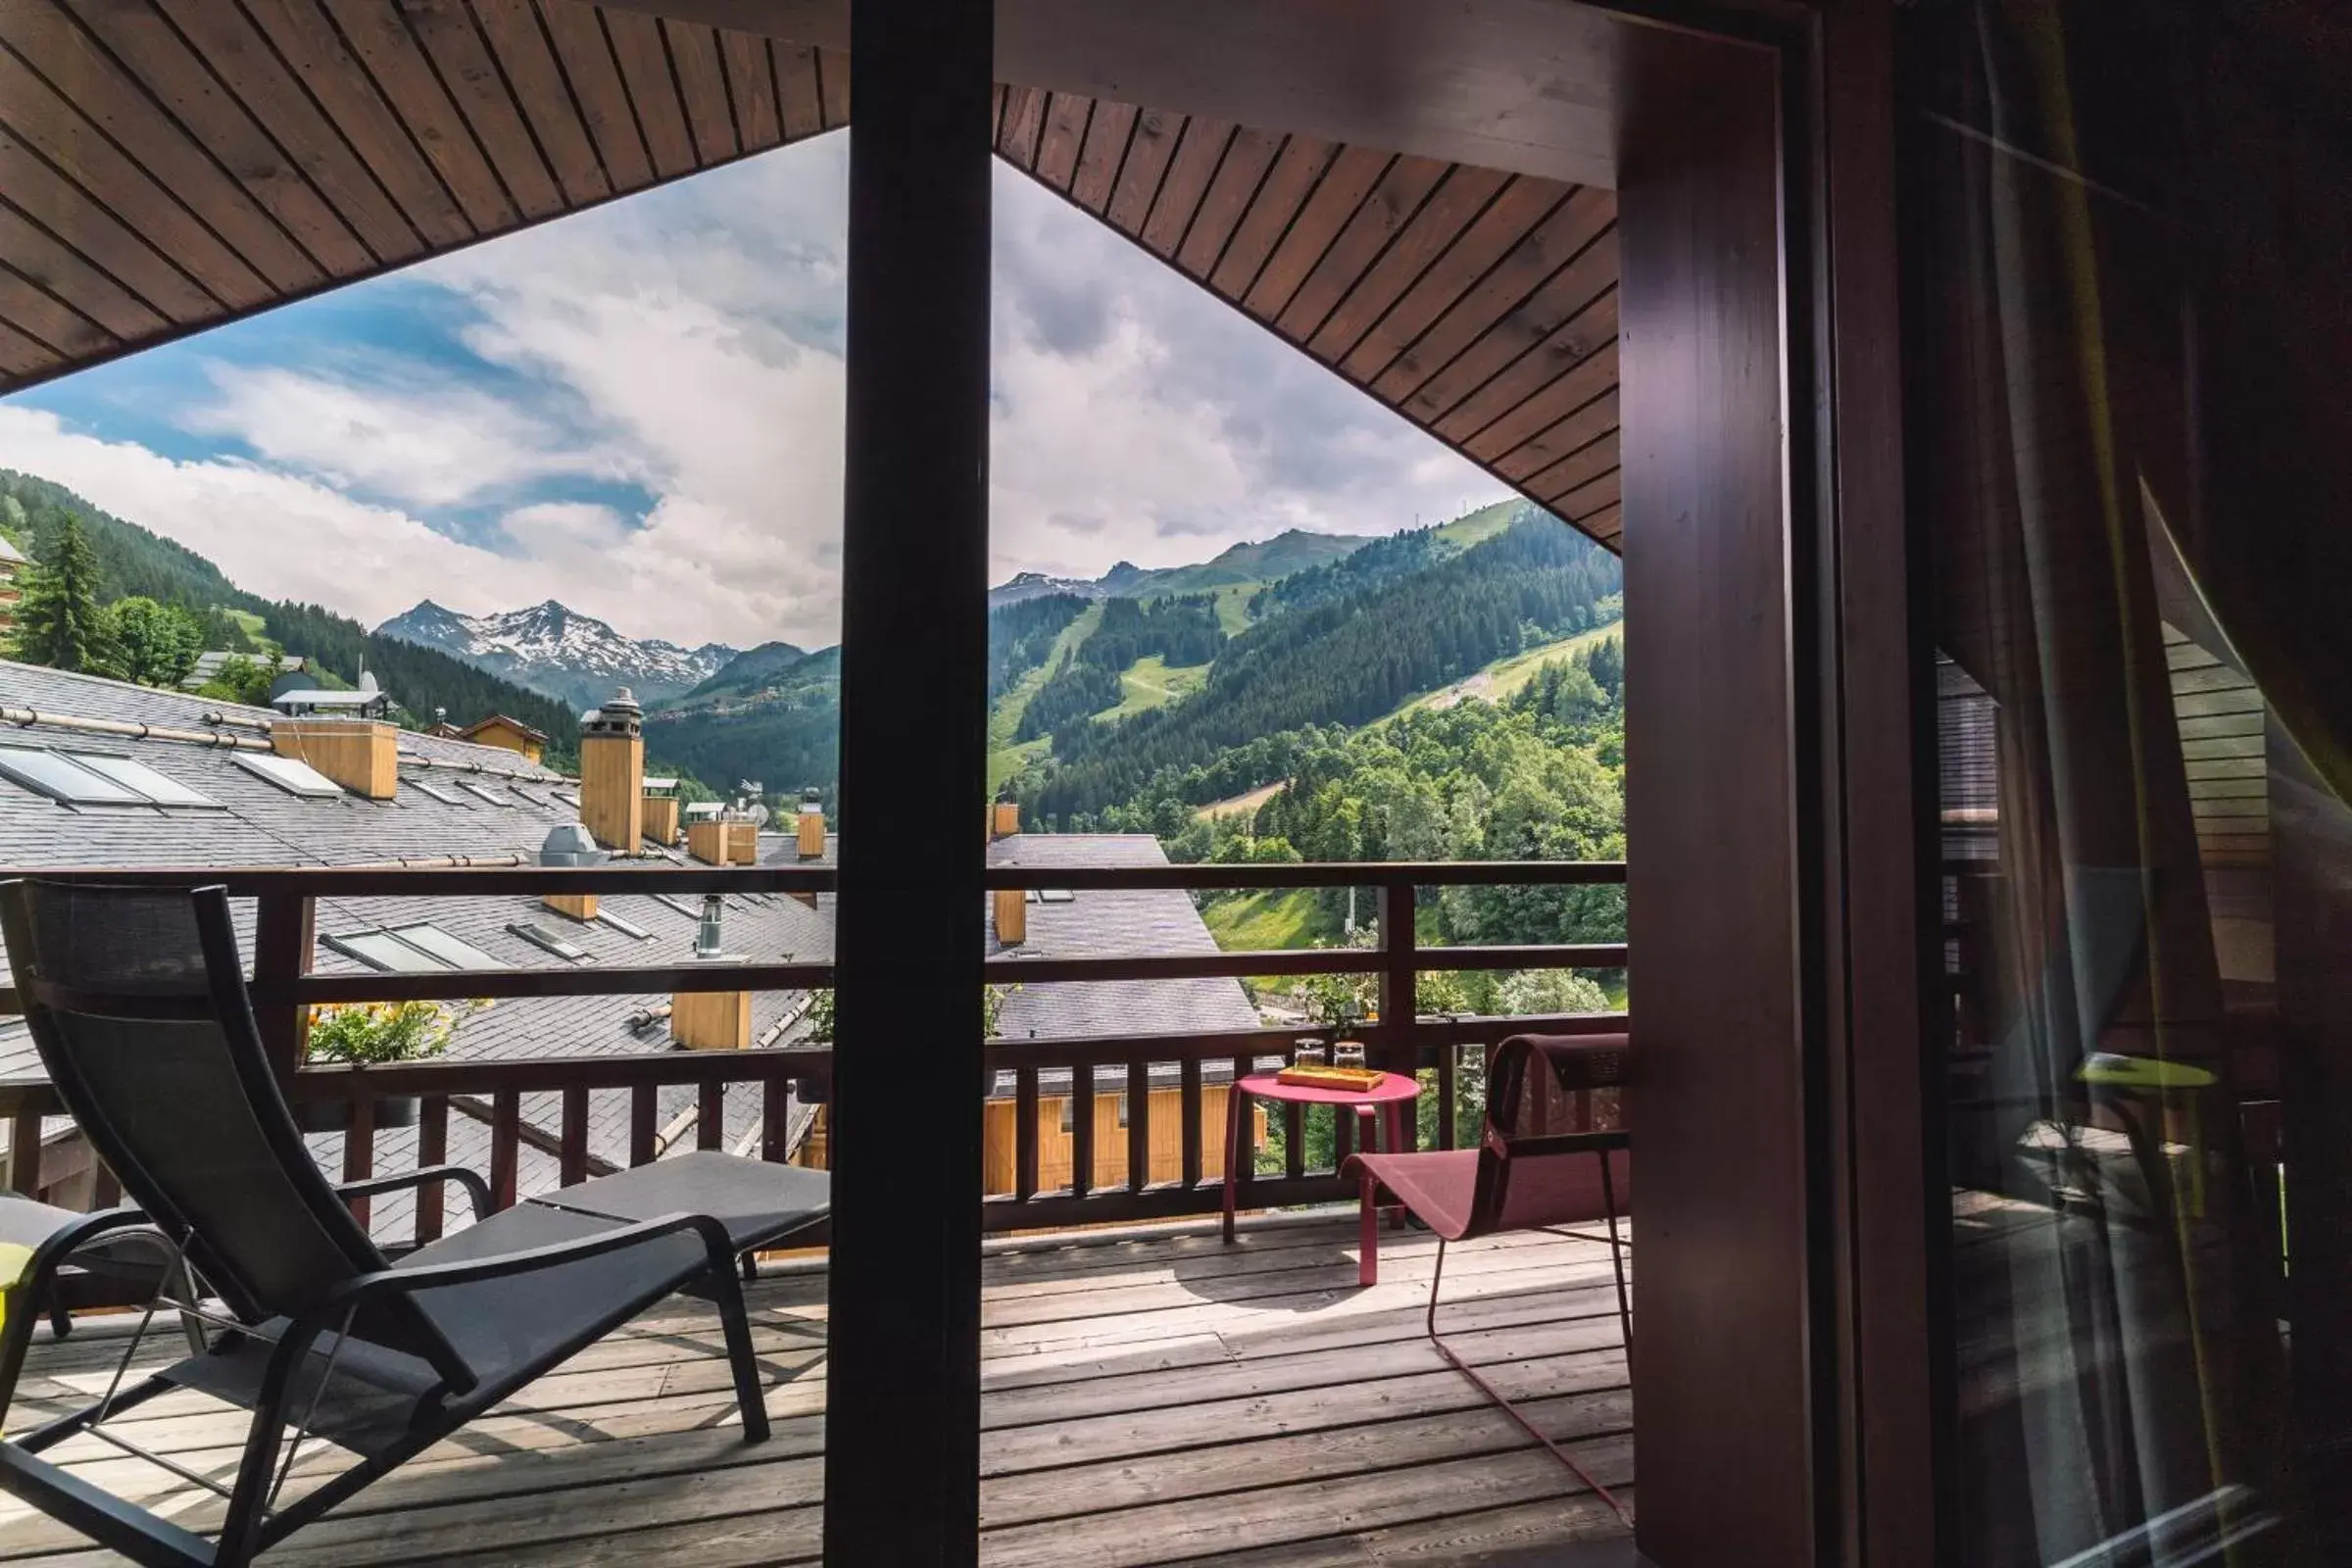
(1385, 1104)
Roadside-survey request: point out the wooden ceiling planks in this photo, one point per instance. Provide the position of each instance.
(1481, 304)
(167, 164)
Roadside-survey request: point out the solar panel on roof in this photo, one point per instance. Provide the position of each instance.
(158, 787)
(62, 780)
(288, 774)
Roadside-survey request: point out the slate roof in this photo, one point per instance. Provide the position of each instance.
(433, 817)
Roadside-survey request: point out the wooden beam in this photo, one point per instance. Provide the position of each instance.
(902, 1416)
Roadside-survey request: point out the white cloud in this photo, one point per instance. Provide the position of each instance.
(288, 537)
(687, 343)
(273, 533)
(429, 443)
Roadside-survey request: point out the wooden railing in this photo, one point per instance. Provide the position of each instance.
(284, 988)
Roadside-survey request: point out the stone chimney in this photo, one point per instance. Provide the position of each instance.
(362, 754)
(613, 773)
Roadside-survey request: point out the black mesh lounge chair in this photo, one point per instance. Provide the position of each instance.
(137, 1003)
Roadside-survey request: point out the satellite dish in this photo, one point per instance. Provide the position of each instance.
(759, 814)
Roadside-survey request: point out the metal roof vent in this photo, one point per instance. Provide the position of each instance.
(570, 843)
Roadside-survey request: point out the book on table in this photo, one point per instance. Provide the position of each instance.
(1358, 1080)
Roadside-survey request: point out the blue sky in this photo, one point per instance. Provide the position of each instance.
(637, 410)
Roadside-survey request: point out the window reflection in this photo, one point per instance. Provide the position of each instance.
(2146, 862)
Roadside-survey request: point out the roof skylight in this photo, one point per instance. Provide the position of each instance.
(412, 949)
(539, 936)
(488, 792)
(293, 776)
(94, 779)
(158, 787)
(628, 928)
(434, 791)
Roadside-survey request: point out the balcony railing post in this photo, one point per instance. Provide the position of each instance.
(1399, 981)
(25, 1151)
(284, 938)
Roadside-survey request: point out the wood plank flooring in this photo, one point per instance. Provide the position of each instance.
(1156, 1400)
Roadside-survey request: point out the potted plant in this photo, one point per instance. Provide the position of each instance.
(366, 1034)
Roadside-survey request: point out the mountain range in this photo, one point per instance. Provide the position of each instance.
(554, 648)
(577, 658)
(1100, 688)
(1244, 564)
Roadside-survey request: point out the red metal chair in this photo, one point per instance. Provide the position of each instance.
(1544, 1164)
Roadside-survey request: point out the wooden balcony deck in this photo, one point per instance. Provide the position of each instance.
(1148, 1399)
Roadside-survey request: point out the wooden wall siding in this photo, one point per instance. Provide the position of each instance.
(1054, 1143)
(2223, 722)
(168, 165)
(1481, 306)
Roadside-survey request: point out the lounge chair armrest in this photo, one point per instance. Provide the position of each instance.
(329, 1310)
(68, 1238)
(530, 1259)
(476, 1189)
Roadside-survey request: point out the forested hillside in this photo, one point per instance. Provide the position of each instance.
(1022, 633)
(1349, 657)
(785, 734)
(135, 563)
(1177, 631)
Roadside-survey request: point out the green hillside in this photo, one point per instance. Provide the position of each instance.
(1151, 682)
(787, 734)
(1393, 620)
(1510, 674)
(1265, 560)
(746, 672)
(1477, 527)
(1007, 755)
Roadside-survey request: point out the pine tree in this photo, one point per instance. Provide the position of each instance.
(58, 622)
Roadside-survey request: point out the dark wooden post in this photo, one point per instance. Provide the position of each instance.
(284, 936)
(1399, 981)
(903, 1422)
(1712, 815)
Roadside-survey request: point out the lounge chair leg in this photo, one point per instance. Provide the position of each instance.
(749, 1397)
(1608, 1201)
(1437, 1278)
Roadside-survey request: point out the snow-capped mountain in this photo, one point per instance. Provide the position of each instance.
(554, 648)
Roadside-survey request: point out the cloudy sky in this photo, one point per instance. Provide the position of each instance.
(638, 410)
